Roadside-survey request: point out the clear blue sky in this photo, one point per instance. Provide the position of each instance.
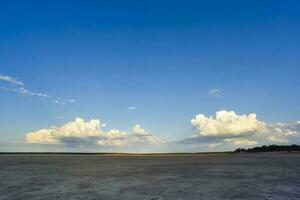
(161, 57)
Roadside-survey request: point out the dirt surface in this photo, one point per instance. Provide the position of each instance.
(234, 176)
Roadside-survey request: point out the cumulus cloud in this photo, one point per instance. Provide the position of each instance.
(215, 93)
(80, 132)
(227, 127)
(11, 80)
(227, 123)
(138, 130)
(75, 129)
(281, 132)
(131, 108)
(226, 130)
(114, 137)
(43, 136)
(140, 135)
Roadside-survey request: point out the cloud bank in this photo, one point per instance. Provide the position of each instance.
(81, 133)
(226, 130)
(229, 128)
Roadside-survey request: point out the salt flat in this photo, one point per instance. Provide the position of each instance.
(194, 176)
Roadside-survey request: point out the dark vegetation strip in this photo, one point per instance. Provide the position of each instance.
(270, 148)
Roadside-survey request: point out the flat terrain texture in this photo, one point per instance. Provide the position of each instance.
(195, 176)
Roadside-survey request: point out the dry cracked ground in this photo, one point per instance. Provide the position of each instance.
(224, 176)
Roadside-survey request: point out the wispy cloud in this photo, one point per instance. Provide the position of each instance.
(11, 80)
(131, 108)
(20, 89)
(215, 93)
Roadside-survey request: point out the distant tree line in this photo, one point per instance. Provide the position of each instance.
(270, 148)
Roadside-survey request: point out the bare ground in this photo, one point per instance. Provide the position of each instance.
(225, 176)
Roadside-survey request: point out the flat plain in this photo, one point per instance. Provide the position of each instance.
(187, 176)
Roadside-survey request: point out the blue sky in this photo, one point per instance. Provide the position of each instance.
(161, 57)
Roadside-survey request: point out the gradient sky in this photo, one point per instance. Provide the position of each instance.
(153, 63)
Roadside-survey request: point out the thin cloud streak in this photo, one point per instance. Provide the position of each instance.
(215, 93)
(11, 80)
(131, 108)
(23, 91)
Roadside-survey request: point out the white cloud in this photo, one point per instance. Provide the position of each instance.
(24, 91)
(59, 102)
(79, 132)
(215, 93)
(224, 131)
(112, 143)
(140, 135)
(42, 95)
(11, 80)
(43, 136)
(241, 141)
(114, 137)
(278, 139)
(77, 128)
(227, 127)
(213, 146)
(227, 123)
(131, 108)
(138, 130)
(281, 132)
(20, 89)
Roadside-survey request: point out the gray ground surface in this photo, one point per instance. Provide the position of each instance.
(237, 176)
